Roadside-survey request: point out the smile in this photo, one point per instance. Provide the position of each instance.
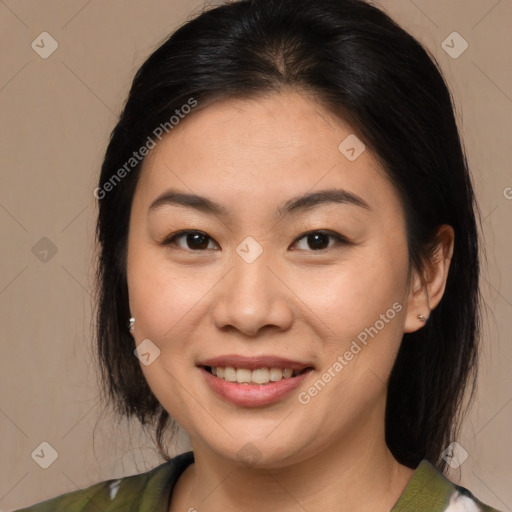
(260, 376)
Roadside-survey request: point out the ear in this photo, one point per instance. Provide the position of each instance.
(427, 289)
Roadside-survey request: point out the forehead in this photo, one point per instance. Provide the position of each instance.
(249, 151)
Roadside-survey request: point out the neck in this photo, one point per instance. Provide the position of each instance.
(358, 473)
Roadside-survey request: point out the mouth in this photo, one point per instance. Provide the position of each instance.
(259, 376)
(253, 381)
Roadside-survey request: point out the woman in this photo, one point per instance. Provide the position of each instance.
(287, 220)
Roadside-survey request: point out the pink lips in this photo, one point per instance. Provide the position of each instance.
(253, 395)
(253, 363)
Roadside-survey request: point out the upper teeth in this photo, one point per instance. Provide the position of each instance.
(245, 376)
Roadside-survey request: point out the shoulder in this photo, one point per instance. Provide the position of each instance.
(430, 491)
(143, 491)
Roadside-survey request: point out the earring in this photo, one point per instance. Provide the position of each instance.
(421, 318)
(130, 323)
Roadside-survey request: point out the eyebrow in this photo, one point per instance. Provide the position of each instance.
(297, 204)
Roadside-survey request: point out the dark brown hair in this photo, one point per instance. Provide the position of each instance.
(357, 62)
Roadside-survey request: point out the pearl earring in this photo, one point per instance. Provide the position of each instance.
(130, 323)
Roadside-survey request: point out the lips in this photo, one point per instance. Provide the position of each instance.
(253, 381)
(254, 363)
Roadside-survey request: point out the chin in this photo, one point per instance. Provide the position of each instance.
(260, 451)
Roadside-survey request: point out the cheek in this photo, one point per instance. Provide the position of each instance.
(163, 296)
(352, 295)
(362, 303)
(165, 302)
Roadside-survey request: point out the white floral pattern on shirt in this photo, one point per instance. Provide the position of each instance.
(461, 503)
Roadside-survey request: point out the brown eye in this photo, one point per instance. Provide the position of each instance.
(198, 241)
(193, 240)
(319, 240)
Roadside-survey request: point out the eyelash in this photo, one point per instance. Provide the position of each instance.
(339, 239)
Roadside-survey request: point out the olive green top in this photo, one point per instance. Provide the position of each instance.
(427, 491)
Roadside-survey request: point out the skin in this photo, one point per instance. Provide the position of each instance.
(292, 301)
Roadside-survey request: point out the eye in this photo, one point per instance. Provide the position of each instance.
(194, 240)
(315, 240)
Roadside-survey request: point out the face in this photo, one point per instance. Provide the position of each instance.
(316, 288)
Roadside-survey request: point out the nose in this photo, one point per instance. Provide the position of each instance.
(252, 298)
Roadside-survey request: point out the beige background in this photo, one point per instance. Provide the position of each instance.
(56, 116)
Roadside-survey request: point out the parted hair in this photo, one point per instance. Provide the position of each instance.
(359, 64)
